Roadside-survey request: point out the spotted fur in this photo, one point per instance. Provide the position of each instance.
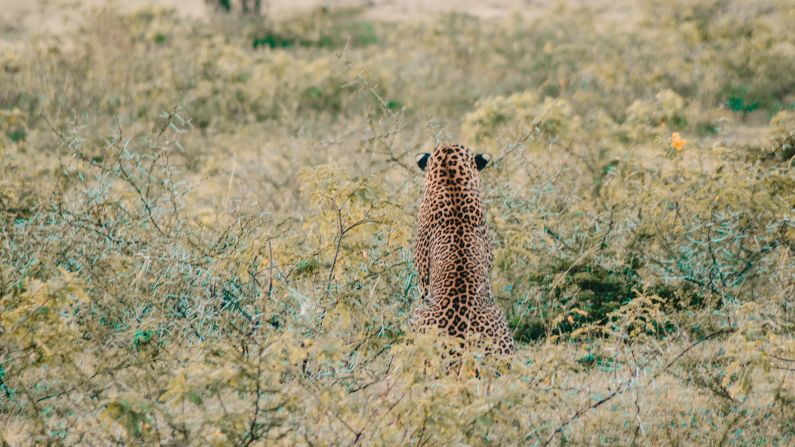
(453, 251)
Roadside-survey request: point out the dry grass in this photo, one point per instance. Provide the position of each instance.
(207, 227)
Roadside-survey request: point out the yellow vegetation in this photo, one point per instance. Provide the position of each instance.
(206, 228)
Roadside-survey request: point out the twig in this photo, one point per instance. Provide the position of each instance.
(693, 345)
(342, 231)
(622, 387)
(252, 430)
(336, 250)
(535, 127)
(270, 268)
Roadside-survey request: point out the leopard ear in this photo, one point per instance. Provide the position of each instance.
(422, 160)
(482, 160)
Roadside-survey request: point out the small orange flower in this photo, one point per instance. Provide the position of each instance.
(570, 319)
(677, 142)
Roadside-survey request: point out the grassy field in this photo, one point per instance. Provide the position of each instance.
(206, 225)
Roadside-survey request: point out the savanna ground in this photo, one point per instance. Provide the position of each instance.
(207, 220)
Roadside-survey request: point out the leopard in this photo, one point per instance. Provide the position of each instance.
(453, 253)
